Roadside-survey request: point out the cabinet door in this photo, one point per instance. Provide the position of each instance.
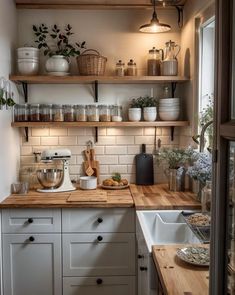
(99, 286)
(98, 254)
(32, 264)
(98, 220)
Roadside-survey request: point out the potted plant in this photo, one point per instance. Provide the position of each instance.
(149, 105)
(134, 111)
(60, 51)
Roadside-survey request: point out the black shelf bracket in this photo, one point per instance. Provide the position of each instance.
(96, 91)
(173, 88)
(25, 90)
(172, 133)
(26, 131)
(96, 134)
(180, 10)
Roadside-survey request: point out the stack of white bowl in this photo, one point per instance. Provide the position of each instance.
(169, 109)
(28, 60)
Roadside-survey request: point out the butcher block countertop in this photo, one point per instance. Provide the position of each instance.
(158, 197)
(142, 197)
(178, 277)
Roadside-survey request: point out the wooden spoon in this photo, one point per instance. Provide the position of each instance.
(89, 171)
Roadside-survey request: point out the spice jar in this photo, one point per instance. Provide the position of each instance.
(104, 112)
(120, 69)
(154, 60)
(131, 68)
(80, 113)
(46, 112)
(93, 113)
(34, 112)
(68, 112)
(57, 113)
(21, 112)
(116, 113)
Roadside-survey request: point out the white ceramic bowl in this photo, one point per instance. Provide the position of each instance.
(169, 100)
(28, 67)
(88, 182)
(169, 116)
(28, 52)
(169, 110)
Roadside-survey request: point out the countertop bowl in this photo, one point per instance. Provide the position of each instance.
(50, 178)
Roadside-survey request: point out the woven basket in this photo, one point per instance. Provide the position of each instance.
(91, 63)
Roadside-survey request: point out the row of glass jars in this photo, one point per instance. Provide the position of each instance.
(67, 113)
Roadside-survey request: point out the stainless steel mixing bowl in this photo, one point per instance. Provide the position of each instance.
(50, 178)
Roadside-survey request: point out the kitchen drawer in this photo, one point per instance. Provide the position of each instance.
(98, 220)
(31, 220)
(99, 286)
(98, 254)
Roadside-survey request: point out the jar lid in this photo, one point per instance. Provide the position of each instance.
(120, 63)
(154, 50)
(131, 63)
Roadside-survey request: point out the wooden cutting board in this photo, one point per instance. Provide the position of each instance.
(95, 165)
(88, 196)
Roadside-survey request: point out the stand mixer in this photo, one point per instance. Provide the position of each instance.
(55, 180)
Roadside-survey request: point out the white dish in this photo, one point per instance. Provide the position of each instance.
(28, 67)
(113, 187)
(199, 256)
(60, 74)
(88, 182)
(166, 116)
(27, 53)
(170, 99)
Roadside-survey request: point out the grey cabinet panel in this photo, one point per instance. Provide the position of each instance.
(32, 267)
(31, 220)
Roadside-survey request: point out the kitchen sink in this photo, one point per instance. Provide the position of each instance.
(164, 227)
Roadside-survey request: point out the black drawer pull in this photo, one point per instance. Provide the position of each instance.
(140, 256)
(32, 239)
(99, 238)
(100, 220)
(142, 268)
(30, 220)
(99, 281)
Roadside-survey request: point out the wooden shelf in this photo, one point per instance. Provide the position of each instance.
(101, 124)
(100, 79)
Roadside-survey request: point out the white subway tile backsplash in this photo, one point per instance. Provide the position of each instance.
(144, 139)
(49, 140)
(104, 140)
(117, 168)
(125, 140)
(32, 141)
(108, 159)
(104, 169)
(58, 131)
(127, 159)
(124, 131)
(40, 132)
(115, 150)
(26, 150)
(67, 140)
(76, 131)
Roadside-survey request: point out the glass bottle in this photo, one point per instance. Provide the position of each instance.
(104, 113)
(57, 113)
(116, 113)
(206, 197)
(46, 112)
(153, 63)
(93, 113)
(80, 113)
(21, 112)
(120, 69)
(34, 112)
(68, 112)
(131, 68)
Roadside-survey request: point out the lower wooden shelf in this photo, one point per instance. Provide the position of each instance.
(101, 124)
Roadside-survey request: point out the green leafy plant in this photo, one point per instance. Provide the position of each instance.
(61, 40)
(142, 102)
(117, 177)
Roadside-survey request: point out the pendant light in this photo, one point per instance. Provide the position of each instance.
(155, 26)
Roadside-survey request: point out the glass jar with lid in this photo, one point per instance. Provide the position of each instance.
(68, 112)
(120, 68)
(154, 59)
(21, 112)
(34, 112)
(93, 113)
(57, 113)
(116, 113)
(104, 113)
(206, 197)
(80, 113)
(131, 68)
(46, 112)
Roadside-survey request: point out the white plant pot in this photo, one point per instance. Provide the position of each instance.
(150, 114)
(134, 114)
(57, 63)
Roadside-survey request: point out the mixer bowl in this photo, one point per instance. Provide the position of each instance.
(50, 178)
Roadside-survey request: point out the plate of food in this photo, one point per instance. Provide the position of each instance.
(115, 182)
(199, 256)
(199, 219)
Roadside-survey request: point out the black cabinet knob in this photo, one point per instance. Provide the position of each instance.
(100, 220)
(99, 238)
(143, 268)
(140, 256)
(32, 239)
(99, 281)
(30, 220)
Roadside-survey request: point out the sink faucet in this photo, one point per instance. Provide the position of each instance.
(202, 136)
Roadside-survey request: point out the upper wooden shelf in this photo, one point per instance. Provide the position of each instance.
(101, 124)
(100, 79)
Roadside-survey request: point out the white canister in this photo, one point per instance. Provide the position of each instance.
(88, 182)
(150, 114)
(28, 66)
(28, 53)
(57, 63)
(134, 114)
(169, 67)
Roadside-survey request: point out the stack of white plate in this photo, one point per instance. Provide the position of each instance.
(169, 109)
(28, 60)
